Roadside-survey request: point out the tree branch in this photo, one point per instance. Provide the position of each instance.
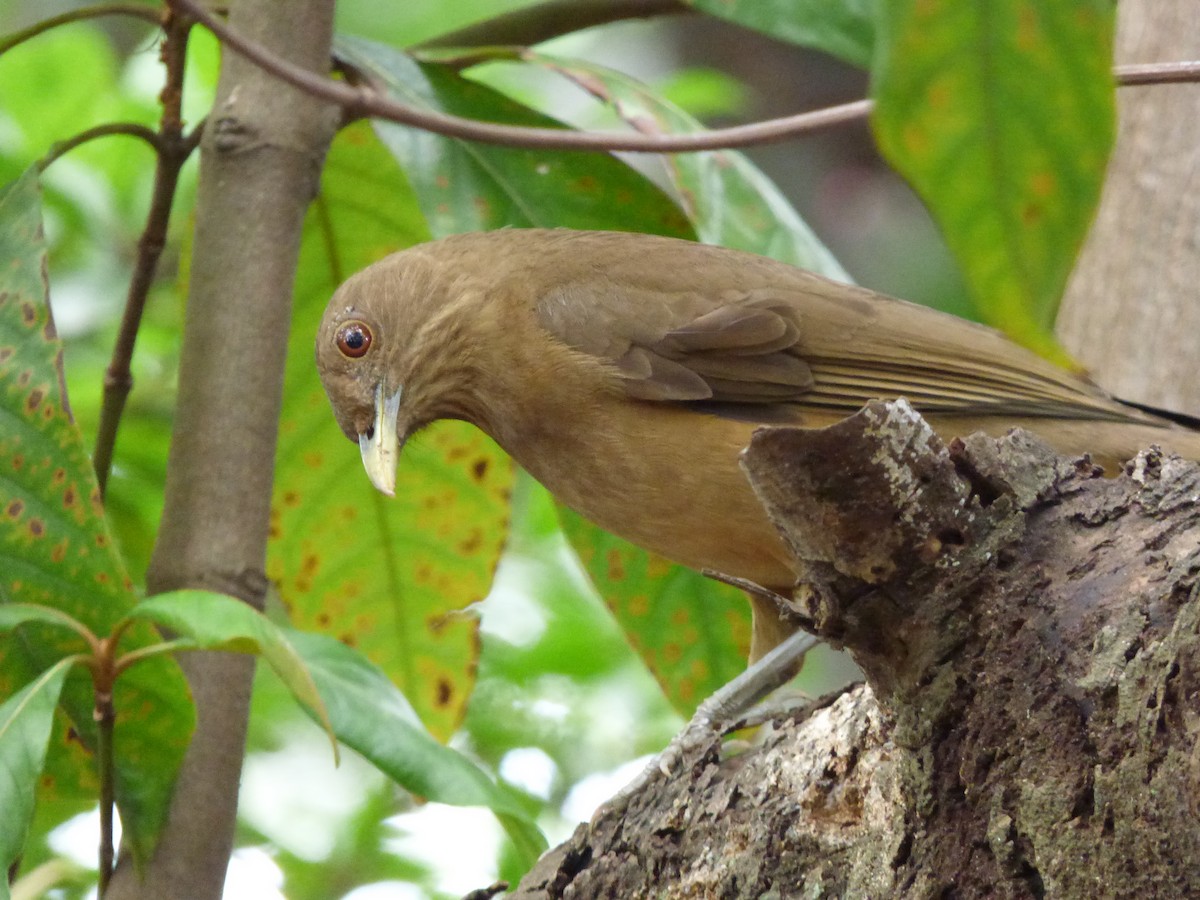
(1030, 666)
(1129, 312)
(1133, 74)
(150, 14)
(173, 151)
(128, 129)
(260, 161)
(362, 101)
(535, 24)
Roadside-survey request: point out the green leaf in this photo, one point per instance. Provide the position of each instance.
(728, 200)
(1001, 114)
(56, 549)
(391, 576)
(218, 622)
(703, 92)
(842, 28)
(54, 545)
(14, 614)
(370, 715)
(693, 633)
(418, 20)
(25, 722)
(471, 186)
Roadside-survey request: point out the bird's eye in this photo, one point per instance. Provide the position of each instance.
(354, 339)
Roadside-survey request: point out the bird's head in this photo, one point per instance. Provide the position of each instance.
(390, 353)
(354, 359)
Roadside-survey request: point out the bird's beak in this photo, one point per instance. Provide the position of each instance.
(380, 445)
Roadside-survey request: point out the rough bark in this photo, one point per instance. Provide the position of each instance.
(260, 160)
(1130, 313)
(1028, 632)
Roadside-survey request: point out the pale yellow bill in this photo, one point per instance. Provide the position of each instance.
(380, 447)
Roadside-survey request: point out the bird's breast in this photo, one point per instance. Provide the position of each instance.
(663, 477)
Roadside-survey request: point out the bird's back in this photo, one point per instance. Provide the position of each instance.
(745, 337)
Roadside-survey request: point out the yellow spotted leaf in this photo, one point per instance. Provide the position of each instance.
(693, 633)
(391, 577)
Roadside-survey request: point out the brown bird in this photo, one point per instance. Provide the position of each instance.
(626, 372)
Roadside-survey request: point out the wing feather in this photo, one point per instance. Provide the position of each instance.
(753, 339)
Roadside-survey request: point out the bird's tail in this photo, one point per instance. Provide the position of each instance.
(1109, 443)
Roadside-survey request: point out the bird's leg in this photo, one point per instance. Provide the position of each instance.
(755, 590)
(720, 711)
(729, 702)
(775, 616)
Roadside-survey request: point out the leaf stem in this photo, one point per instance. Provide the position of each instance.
(61, 618)
(133, 657)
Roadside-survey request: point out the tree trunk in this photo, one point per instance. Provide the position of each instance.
(260, 159)
(1131, 313)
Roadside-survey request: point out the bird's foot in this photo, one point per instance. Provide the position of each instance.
(785, 605)
(752, 587)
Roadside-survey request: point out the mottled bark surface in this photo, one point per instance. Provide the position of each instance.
(1028, 632)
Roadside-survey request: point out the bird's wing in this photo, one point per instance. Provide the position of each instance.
(765, 342)
(684, 350)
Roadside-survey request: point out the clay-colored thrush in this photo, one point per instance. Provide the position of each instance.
(626, 372)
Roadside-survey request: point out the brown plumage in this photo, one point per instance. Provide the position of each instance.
(626, 372)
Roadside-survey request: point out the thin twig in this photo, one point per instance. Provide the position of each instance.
(534, 24)
(151, 14)
(104, 714)
(128, 129)
(1133, 74)
(173, 150)
(362, 101)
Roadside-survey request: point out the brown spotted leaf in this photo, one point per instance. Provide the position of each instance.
(56, 548)
(693, 633)
(391, 577)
